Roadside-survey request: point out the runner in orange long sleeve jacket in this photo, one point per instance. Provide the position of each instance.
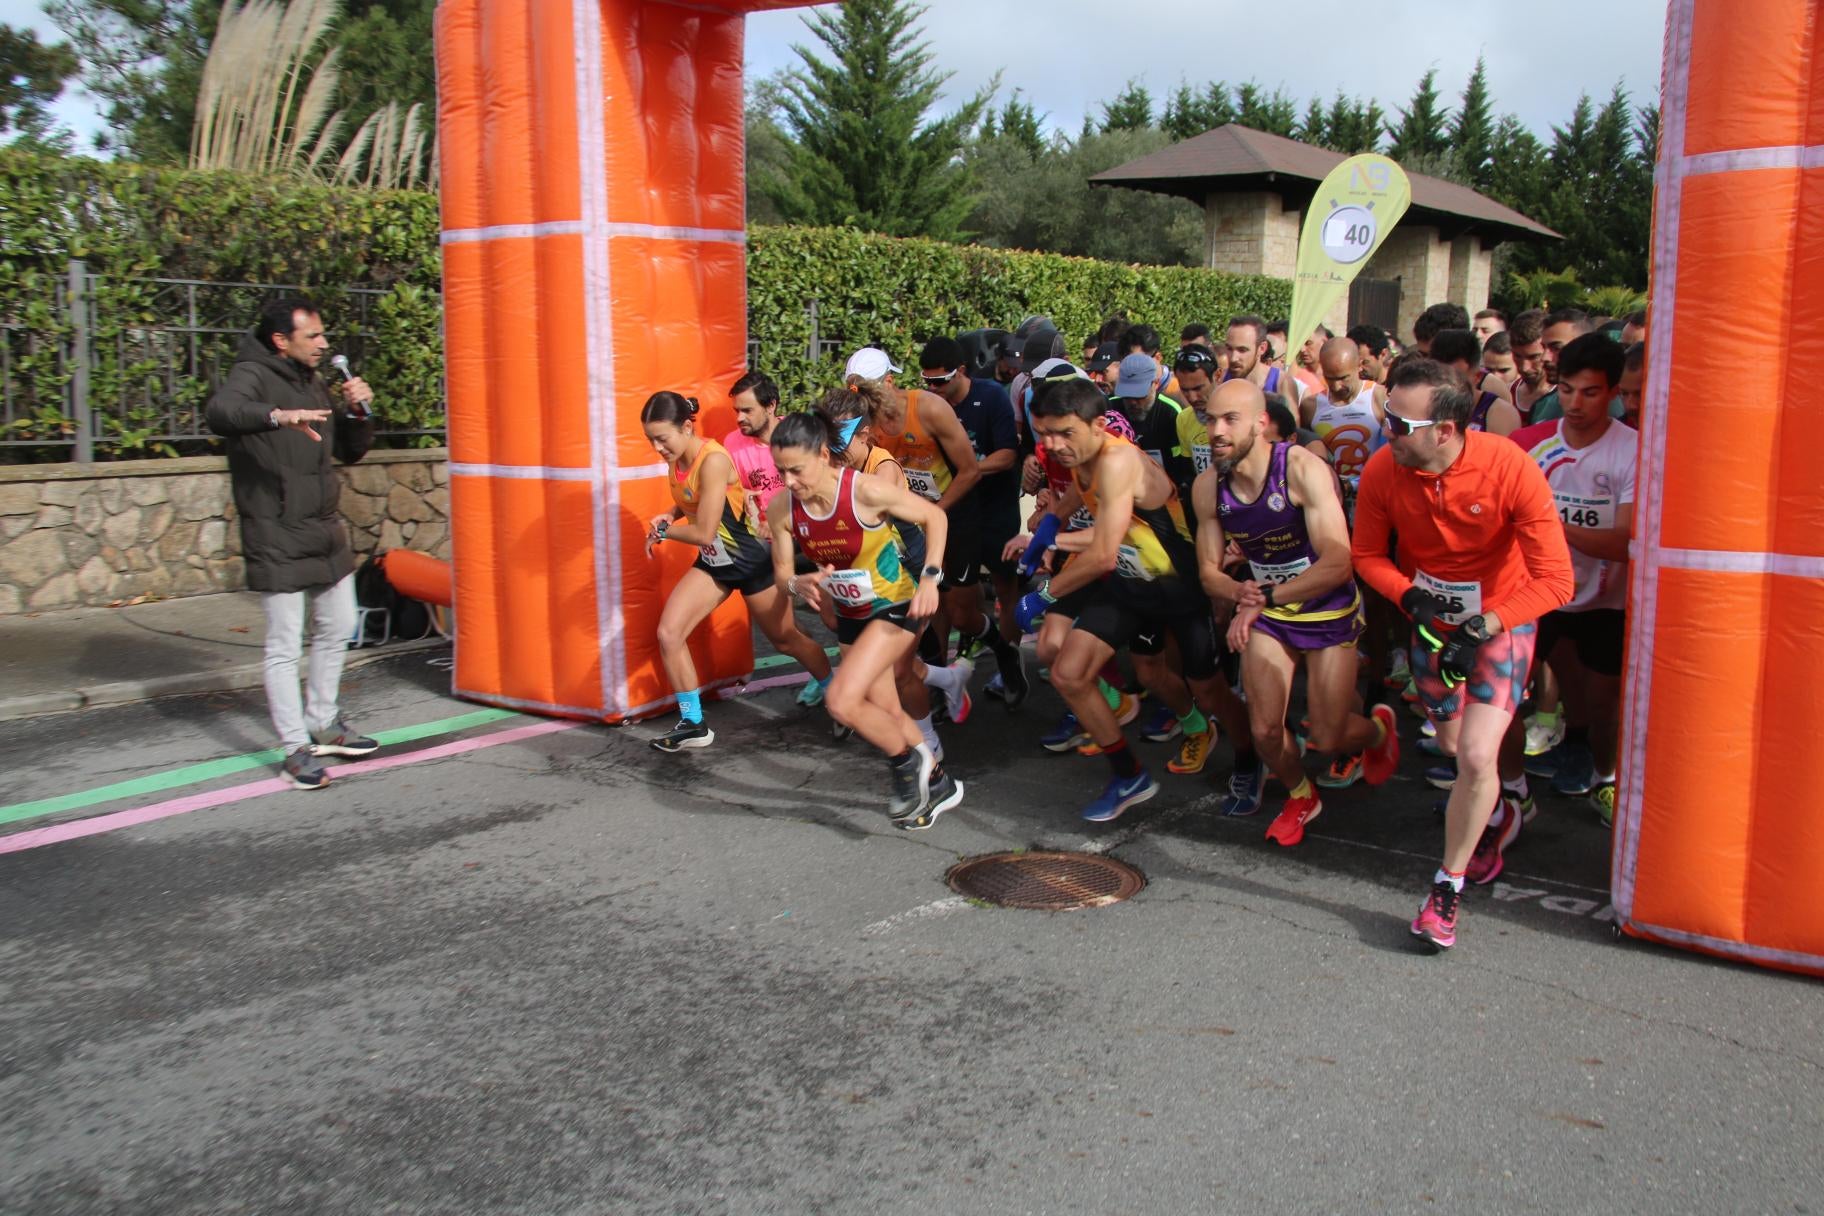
(1459, 529)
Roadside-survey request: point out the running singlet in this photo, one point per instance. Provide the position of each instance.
(1482, 536)
(1158, 541)
(1271, 386)
(870, 574)
(759, 477)
(877, 456)
(1059, 478)
(928, 470)
(1352, 433)
(1271, 534)
(1478, 415)
(736, 546)
(1588, 485)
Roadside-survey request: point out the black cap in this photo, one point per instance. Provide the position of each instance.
(1039, 347)
(1106, 354)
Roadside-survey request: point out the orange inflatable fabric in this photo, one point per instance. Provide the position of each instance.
(593, 253)
(1719, 835)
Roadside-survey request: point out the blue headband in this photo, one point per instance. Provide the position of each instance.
(846, 432)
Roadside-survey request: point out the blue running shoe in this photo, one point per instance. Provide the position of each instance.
(1247, 786)
(1119, 794)
(1162, 725)
(1442, 776)
(811, 695)
(1066, 736)
(1546, 763)
(1576, 775)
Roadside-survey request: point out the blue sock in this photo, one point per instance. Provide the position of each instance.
(690, 706)
(825, 682)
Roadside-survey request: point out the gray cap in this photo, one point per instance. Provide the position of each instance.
(1138, 375)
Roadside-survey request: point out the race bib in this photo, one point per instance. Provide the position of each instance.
(1461, 600)
(1581, 512)
(852, 591)
(1279, 572)
(717, 554)
(1129, 565)
(1081, 520)
(923, 482)
(1200, 456)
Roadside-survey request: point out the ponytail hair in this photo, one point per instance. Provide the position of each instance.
(806, 430)
(666, 406)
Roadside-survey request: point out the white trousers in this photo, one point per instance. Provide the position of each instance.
(332, 621)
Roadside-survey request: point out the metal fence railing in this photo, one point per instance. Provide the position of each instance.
(74, 388)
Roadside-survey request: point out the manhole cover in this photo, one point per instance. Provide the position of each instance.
(1053, 882)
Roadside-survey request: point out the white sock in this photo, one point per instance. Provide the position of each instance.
(1455, 880)
(931, 743)
(1516, 787)
(947, 680)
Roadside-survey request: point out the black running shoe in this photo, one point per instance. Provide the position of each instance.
(685, 735)
(1011, 661)
(338, 739)
(911, 784)
(946, 792)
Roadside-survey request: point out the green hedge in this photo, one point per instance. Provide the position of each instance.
(132, 222)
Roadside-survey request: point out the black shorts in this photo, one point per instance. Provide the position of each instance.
(848, 628)
(963, 546)
(750, 574)
(1598, 634)
(996, 531)
(1140, 621)
(1071, 605)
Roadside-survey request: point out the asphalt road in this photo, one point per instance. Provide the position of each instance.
(564, 973)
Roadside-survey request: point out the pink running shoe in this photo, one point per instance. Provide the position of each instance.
(1437, 920)
(1486, 863)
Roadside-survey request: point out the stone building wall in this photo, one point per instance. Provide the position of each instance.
(93, 535)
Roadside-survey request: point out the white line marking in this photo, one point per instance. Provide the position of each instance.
(665, 232)
(937, 907)
(1743, 160)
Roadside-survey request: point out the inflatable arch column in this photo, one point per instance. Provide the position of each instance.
(1719, 840)
(593, 253)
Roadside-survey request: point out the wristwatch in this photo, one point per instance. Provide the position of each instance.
(664, 526)
(936, 572)
(1266, 593)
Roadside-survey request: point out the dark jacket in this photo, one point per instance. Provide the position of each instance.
(285, 483)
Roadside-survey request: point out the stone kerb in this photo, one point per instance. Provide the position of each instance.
(94, 535)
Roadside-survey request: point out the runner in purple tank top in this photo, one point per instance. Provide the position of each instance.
(1278, 503)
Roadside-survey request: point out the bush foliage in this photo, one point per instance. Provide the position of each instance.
(132, 223)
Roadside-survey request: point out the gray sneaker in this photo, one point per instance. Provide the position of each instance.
(304, 771)
(340, 739)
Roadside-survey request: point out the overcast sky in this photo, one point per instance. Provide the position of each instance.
(1325, 44)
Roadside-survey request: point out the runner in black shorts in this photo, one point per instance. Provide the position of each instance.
(710, 513)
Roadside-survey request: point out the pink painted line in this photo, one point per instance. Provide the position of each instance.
(741, 690)
(57, 833)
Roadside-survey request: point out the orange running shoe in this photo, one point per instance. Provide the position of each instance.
(1289, 828)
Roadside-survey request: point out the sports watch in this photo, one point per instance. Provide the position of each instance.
(936, 572)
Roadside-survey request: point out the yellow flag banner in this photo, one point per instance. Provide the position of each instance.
(1349, 217)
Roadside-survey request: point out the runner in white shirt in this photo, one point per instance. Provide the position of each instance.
(1589, 460)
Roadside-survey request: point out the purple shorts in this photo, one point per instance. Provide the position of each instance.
(1499, 679)
(1305, 636)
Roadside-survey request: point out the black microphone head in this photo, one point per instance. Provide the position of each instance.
(340, 363)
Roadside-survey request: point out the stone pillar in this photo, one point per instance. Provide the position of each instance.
(1250, 234)
(1470, 268)
(1421, 261)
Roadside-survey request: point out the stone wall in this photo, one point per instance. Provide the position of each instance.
(93, 535)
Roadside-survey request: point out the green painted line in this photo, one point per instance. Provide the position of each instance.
(782, 660)
(210, 769)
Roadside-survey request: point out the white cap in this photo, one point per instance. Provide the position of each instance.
(1051, 365)
(870, 363)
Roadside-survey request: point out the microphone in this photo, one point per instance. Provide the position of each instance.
(340, 363)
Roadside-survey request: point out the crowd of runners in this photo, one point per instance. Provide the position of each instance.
(1442, 523)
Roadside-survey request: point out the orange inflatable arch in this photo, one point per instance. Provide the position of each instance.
(593, 253)
(1719, 839)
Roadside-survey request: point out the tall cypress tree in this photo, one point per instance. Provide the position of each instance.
(1472, 130)
(1131, 110)
(1421, 136)
(862, 153)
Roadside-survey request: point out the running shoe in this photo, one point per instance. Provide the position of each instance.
(961, 707)
(1546, 763)
(839, 732)
(1014, 686)
(1068, 733)
(1442, 776)
(1410, 694)
(1576, 774)
(685, 735)
(946, 792)
(1431, 747)
(1486, 863)
(1399, 671)
(339, 739)
(1603, 799)
(1288, 828)
(1542, 737)
(993, 687)
(1343, 772)
(1162, 726)
(302, 769)
(1526, 807)
(1127, 710)
(1247, 786)
(1436, 923)
(811, 695)
(1194, 752)
(1119, 794)
(1380, 761)
(1428, 728)
(911, 779)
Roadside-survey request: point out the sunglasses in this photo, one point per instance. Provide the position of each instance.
(1402, 427)
(946, 378)
(1191, 358)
